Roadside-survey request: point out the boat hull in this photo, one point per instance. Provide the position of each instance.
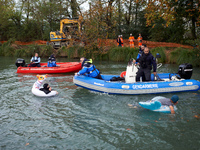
(153, 87)
(63, 67)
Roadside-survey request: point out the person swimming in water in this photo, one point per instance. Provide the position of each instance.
(46, 89)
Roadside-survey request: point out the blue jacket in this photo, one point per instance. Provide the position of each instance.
(89, 70)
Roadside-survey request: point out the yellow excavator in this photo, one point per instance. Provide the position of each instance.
(70, 32)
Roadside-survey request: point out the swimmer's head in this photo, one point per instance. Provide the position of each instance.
(175, 98)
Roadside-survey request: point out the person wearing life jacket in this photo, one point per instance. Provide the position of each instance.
(119, 43)
(122, 42)
(131, 41)
(88, 69)
(35, 61)
(51, 61)
(146, 60)
(139, 40)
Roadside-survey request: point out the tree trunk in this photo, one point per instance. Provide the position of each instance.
(74, 8)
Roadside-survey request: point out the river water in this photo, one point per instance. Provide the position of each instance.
(80, 119)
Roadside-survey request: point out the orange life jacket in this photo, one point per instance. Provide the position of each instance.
(131, 39)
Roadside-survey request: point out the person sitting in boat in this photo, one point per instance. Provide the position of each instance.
(89, 69)
(35, 61)
(52, 61)
(169, 102)
(146, 60)
(46, 89)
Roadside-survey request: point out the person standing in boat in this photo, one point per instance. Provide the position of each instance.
(145, 61)
(141, 49)
(88, 69)
(35, 61)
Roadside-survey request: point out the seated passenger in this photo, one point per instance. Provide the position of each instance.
(35, 61)
(88, 69)
(46, 89)
(52, 61)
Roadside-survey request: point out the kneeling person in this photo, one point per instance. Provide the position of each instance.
(89, 69)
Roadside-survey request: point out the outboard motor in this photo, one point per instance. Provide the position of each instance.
(185, 71)
(20, 62)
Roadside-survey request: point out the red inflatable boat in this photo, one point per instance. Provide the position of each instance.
(63, 67)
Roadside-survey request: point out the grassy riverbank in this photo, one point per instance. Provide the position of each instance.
(172, 55)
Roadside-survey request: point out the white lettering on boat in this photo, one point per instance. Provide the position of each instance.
(145, 86)
(176, 84)
(99, 84)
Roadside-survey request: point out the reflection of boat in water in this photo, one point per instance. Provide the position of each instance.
(165, 84)
(63, 67)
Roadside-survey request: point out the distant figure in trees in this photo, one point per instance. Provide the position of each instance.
(131, 41)
(119, 43)
(139, 40)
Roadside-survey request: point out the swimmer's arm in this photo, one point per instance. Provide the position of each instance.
(172, 109)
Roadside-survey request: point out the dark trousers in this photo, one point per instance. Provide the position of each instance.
(35, 65)
(99, 77)
(145, 73)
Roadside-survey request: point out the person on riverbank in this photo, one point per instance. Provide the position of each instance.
(35, 61)
(146, 60)
(131, 41)
(119, 43)
(88, 69)
(139, 40)
(122, 41)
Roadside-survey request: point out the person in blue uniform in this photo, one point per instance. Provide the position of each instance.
(88, 69)
(145, 61)
(141, 50)
(51, 61)
(35, 61)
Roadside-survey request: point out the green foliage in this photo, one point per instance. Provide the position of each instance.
(180, 56)
(161, 51)
(122, 53)
(6, 49)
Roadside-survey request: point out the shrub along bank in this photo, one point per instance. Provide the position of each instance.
(119, 54)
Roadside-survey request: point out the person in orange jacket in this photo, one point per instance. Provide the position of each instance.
(122, 43)
(131, 41)
(139, 40)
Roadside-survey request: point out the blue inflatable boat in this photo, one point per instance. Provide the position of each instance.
(165, 83)
(120, 87)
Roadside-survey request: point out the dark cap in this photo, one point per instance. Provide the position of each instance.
(175, 98)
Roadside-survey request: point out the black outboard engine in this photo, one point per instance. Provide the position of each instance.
(20, 62)
(185, 71)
